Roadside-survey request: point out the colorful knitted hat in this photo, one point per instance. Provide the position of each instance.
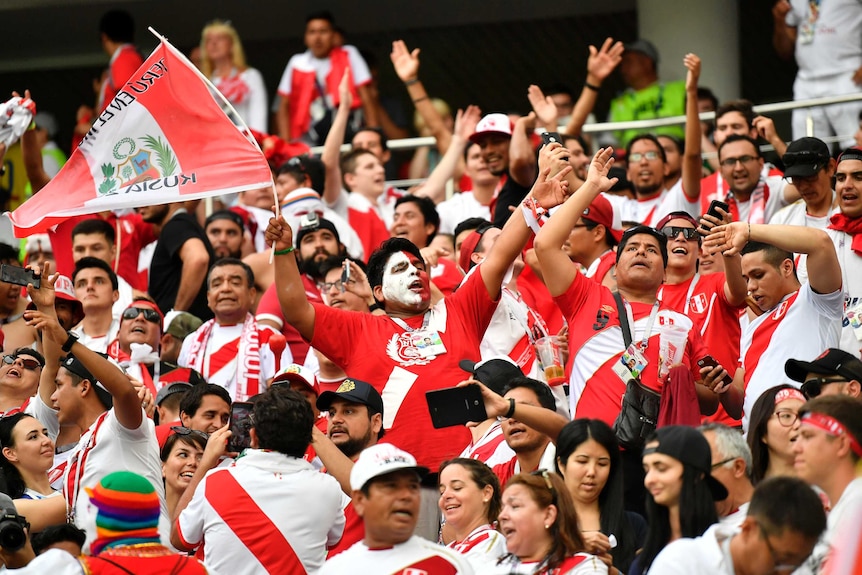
(128, 510)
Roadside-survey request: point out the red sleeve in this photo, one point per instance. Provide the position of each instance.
(573, 299)
(333, 328)
(472, 304)
(126, 64)
(696, 350)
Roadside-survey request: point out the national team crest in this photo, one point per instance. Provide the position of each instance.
(402, 350)
(135, 163)
(698, 303)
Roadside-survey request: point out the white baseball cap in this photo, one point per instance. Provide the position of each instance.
(492, 124)
(381, 459)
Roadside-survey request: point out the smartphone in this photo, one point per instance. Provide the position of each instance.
(713, 208)
(309, 220)
(455, 406)
(709, 361)
(19, 276)
(240, 423)
(345, 275)
(551, 137)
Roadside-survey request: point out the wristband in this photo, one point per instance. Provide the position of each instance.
(70, 341)
(411, 82)
(511, 411)
(533, 214)
(420, 99)
(284, 252)
(374, 307)
(592, 87)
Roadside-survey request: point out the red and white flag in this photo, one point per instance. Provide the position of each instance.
(162, 139)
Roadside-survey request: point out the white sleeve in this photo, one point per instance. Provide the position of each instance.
(677, 558)
(183, 358)
(257, 109)
(358, 67)
(677, 201)
(284, 85)
(190, 523)
(828, 304)
(54, 561)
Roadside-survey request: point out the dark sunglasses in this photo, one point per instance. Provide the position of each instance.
(27, 362)
(672, 232)
(179, 430)
(813, 387)
(150, 314)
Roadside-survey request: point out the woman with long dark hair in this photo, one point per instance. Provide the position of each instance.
(681, 493)
(26, 456)
(180, 457)
(771, 425)
(588, 458)
(540, 524)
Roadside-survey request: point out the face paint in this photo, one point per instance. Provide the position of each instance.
(398, 277)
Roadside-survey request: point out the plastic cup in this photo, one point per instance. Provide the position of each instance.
(551, 358)
(671, 347)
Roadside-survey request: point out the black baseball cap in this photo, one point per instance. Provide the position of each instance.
(354, 391)
(74, 365)
(805, 157)
(171, 389)
(494, 373)
(831, 362)
(689, 446)
(322, 224)
(225, 215)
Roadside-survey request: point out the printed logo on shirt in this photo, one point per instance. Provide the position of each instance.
(402, 350)
(698, 303)
(603, 316)
(780, 311)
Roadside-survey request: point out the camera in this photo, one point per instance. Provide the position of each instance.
(12, 534)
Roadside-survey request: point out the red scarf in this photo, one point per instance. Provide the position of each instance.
(851, 227)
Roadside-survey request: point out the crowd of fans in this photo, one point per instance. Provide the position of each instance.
(649, 341)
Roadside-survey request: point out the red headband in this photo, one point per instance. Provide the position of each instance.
(831, 426)
(788, 393)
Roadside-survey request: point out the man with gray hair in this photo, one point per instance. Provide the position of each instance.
(731, 465)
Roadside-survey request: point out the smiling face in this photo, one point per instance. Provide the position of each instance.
(409, 223)
(477, 168)
(391, 508)
(586, 471)
(682, 253)
(22, 375)
(522, 522)
(848, 186)
(663, 477)
(32, 448)
(732, 123)
(495, 152)
(212, 415)
(228, 294)
(181, 464)
(646, 175)
(463, 503)
(139, 329)
(368, 176)
(405, 285)
(743, 176)
(640, 263)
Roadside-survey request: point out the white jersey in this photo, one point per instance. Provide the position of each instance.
(458, 208)
(416, 556)
(482, 547)
(650, 211)
(509, 334)
(708, 554)
(844, 514)
(246, 92)
(221, 357)
(491, 449)
(734, 520)
(801, 326)
(578, 564)
(106, 447)
(248, 515)
(828, 40)
(306, 62)
(98, 343)
(796, 214)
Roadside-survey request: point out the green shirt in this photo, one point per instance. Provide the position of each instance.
(661, 100)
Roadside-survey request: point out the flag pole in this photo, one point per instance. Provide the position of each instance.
(246, 130)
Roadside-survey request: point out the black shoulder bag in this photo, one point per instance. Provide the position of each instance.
(639, 412)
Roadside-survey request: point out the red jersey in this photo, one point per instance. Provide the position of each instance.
(596, 345)
(377, 350)
(268, 308)
(718, 321)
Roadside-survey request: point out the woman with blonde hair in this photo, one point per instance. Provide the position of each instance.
(223, 62)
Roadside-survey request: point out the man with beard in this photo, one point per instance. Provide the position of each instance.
(180, 260)
(315, 242)
(225, 231)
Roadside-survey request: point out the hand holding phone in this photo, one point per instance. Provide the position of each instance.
(345, 275)
(551, 137)
(240, 424)
(709, 362)
(713, 211)
(456, 406)
(19, 276)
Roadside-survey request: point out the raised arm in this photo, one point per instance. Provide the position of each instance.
(735, 288)
(548, 193)
(600, 64)
(692, 165)
(331, 156)
(522, 158)
(558, 270)
(465, 124)
(297, 311)
(44, 300)
(196, 261)
(783, 36)
(406, 64)
(824, 271)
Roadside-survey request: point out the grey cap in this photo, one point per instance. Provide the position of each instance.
(181, 323)
(645, 47)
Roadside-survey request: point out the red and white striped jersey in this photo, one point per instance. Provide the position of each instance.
(416, 556)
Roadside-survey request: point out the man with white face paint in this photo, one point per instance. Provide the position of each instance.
(414, 347)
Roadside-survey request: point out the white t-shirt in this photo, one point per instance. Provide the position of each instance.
(801, 326)
(482, 547)
(458, 208)
(98, 343)
(106, 447)
(579, 564)
(491, 449)
(414, 556)
(829, 43)
(125, 300)
(250, 515)
(796, 214)
(708, 554)
(306, 62)
(650, 211)
(734, 520)
(246, 92)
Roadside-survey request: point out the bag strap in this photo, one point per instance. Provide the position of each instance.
(624, 319)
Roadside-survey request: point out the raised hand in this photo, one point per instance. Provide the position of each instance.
(47, 324)
(692, 62)
(44, 296)
(543, 106)
(345, 98)
(466, 120)
(278, 234)
(601, 62)
(728, 239)
(551, 192)
(599, 168)
(555, 157)
(406, 63)
(765, 128)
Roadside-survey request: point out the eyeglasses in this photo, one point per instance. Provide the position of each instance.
(800, 180)
(720, 463)
(786, 418)
(179, 430)
(672, 232)
(638, 156)
(28, 363)
(814, 386)
(777, 565)
(150, 314)
(337, 284)
(731, 162)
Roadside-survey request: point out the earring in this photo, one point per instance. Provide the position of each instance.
(547, 526)
(484, 501)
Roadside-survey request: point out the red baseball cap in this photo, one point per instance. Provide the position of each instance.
(602, 212)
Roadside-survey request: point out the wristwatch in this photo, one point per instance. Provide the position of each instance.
(67, 347)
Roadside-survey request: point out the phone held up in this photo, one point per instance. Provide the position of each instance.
(455, 406)
(240, 424)
(19, 276)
